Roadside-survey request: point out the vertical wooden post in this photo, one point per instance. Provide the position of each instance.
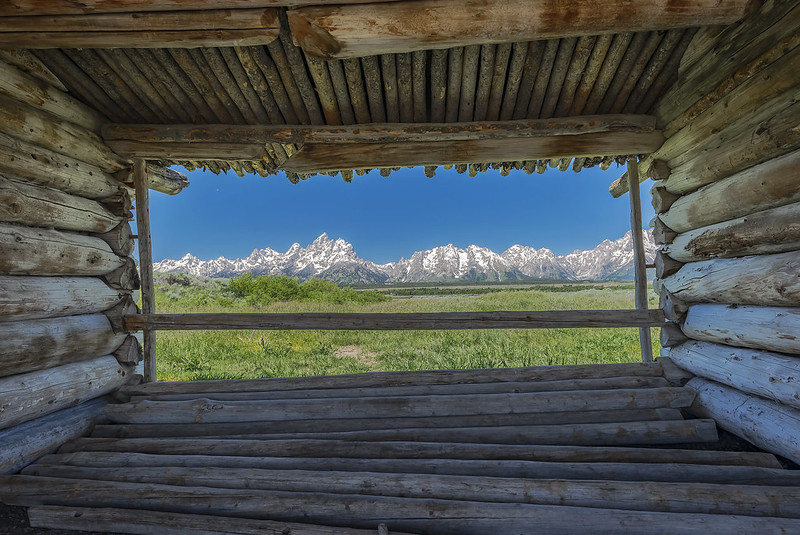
(142, 188)
(638, 256)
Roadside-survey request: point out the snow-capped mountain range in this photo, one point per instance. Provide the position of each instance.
(336, 260)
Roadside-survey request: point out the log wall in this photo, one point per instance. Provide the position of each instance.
(66, 275)
(728, 220)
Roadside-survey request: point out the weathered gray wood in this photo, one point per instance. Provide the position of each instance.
(375, 133)
(590, 434)
(29, 124)
(36, 251)
(32, 66)
(415, 450)
(734, 151)
(27, 346)
(413, 514)
(662, 234)
(145, 264)
(398, 321)
(655, 471)
(120, 239)
(763, 373)
(23, 444)
(767, 424)
(776, 230)
(129, 352)
(23, 297)
(140, 39)
(419, 390)
(43, 166)
(139, 521)
(27, 396)
(662, 199)
(671, 335)
(159, 178)
(206, 410)
(640, 275)
(378, 379)
(361, 424)
(663, 496)
(767, 280)
(38, 206)
(772, 328)
(125, 277)
(665, 265)
(25, 88)
(355, 30)
(768, 185)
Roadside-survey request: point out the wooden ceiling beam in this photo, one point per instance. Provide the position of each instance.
(363, 29)
(313, 158)
(173, 141)
(17, 8)
(184, 29)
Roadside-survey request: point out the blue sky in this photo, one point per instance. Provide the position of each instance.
(386, 218)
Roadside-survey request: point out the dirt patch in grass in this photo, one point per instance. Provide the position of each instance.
(357, 353)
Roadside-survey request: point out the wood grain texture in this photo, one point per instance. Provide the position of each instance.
(356, 30)
(25, 297)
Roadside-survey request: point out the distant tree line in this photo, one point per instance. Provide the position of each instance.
(269, 288)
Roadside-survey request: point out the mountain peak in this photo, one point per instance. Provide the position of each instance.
(336, 260)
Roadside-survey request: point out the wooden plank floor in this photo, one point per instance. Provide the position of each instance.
(583, 449)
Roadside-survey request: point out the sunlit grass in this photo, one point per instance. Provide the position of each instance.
(197, 355)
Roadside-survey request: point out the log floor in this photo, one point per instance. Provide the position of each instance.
(581, 449)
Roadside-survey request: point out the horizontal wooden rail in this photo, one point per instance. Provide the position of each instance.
(549, 319)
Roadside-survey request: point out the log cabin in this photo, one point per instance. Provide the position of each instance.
(99, 100)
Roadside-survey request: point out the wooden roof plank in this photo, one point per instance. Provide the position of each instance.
(314, 158)
(357, 30)
(137, 39)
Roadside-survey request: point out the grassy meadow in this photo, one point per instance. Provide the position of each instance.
(199, 355)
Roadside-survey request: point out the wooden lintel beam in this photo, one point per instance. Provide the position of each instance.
(377, 132)
(404, 26)
(16, 8)
(313, 158)
(139, 39)
(400, 321)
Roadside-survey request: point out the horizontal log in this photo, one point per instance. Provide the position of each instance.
(159, 178)
(505, 387)
(129, 352)
(767, 424)
(399, 321)
(206, 410)
(23, 298)
(120, 239)
(25, 88)
(766, 280)
(147, 21)
(137, 521)
(776, 230)
(402, 378)
(32, 125)
(313, 158)
(36, 251)
(33, 66)
(13, 8)
(375, 133)
(31, 395)
(23, 160)
(626, 495)
(414, 450)
(755, 144)
(617, 471)
(409, 514)
(588, 434)
(763, 373)
(23, 444)
(139, 39)
(32, 345)
(37, 206)
(362, 424)
(772, 328)
(351, 31)
(773, 183)
(125, 277)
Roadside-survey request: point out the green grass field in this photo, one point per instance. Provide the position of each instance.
(198, 355)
